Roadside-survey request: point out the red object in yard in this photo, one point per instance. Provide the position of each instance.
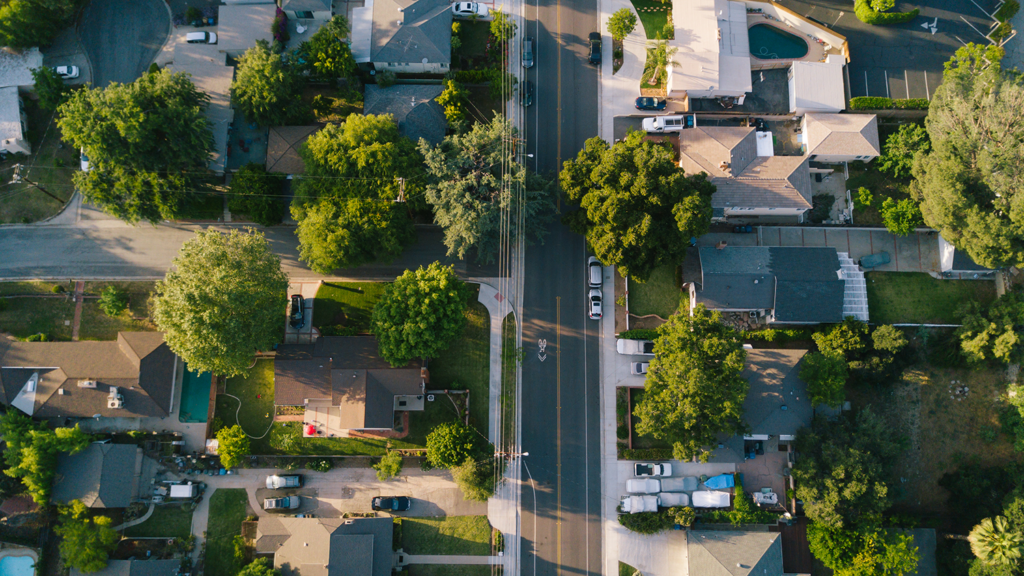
(310, 430)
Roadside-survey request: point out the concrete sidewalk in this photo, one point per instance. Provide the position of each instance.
(498, 306)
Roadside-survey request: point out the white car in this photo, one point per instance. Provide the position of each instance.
(470, 10)
(642, 469)
(66, 72)
(638, 368)
(85, 161)
(595, 304)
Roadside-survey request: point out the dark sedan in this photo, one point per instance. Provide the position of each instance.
(297, 319)
(648, 103)
(527, 93)
(392, 503)
(595, 48)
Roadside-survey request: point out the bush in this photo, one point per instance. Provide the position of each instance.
(647, 522)
(57, 289)
(40, 337)
(1008, 10)
(779, 335)
(684, 516)
(386, 79)
(1001, 32)
(192, 14)
(320, 465)
(863, 198)
(389, 466)
(639, 334)
(280, 27)
(337, 330)
(869, 16)
(882, 103)
(646, 454)
(113, 301)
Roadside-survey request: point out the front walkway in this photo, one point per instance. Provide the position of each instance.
(448, 559)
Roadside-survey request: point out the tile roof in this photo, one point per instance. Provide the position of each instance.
(413, 107)
(327, 546)
(408, 31)
(101, 476)
(283, 144)
(707, 148)
(775, 383)
(842, 134)
(728, 553)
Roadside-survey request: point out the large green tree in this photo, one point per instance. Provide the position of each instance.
(637, 208)
(50, 87)
(326, 54)
(970, 185)
(868, 552)
(694, 389)
(826, 376)
(223, 300)
(345, 232)
(29, 23)
(477, 190)
(900, 148)
(420, 314)
(258, 194)
(86, 542)
(232, 446)
(266, 88)
(32, 450)
(451, 444)
(147, 143)
(995, 332)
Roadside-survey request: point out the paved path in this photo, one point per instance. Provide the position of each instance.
(448, 559)
(498, 307)
(306, 334)
(79, 299)
(140, 520)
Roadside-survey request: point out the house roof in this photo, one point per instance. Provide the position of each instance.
(728, 553)
(327, 546)
(817, 86)
(206, 64)
(413, 107)
(241, 25)
(777, 401)
(283, 144)
(411, 31)
(139, 364)
(10, 115)
(18, 505)
(101, 476)
(708, 148)
(842, 134)
(713, 47)
(306, 5)
(16, 67)
(136, 568)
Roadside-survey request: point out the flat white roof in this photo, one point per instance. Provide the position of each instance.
(818, 86)
(362, 28)
(765, 145)
(713, 47)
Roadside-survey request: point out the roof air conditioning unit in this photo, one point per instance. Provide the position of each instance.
(87, 384)
(115, 400)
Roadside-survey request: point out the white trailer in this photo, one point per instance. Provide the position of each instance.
(637, 504)
(184, 490)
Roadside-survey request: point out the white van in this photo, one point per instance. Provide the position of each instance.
(669, 123)
(201, 37)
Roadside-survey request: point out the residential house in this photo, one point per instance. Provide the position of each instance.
(307, 9)
(835, 138)
(410, 36)
(817, 86)
(283, 144)
(345, 386)
(207, 66)
(146, 567)
(733, 553)
(132, 377)
(101, 476)
(955, 263)
(15, 81)
(713, 51)
(327, 546)
(777, 404)
(414, 108)
(788, 285)
(239, 26)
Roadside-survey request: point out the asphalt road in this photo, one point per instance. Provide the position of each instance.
(560, 426)
(121, 37)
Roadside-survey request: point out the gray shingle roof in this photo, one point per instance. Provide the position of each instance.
(775, 382)
(842, 134)
(411, 32)
(714, 553)
(306, 5)
(136, 568)
(413, 107)
(327, 546)
(101, 476)
(283, 143)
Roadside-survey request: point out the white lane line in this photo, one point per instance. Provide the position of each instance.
(927, 91)
(886, 72)
(866, 91)
(906, 83)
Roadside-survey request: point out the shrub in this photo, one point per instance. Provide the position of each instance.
(639, 334)
(386, 79)
(1000, 32)
(647, 522)
(113, 301)
(40, 337)
(337, 330)
(57, 289)
(192, 14)
(280, 27)
(779, 335)
(646, 454)
(684, 516)
(320, 465)
(911, 103)
(389, 466)
(863, 198)
(902, 217)
(869, 16)
(1008, 10)
(882, 103)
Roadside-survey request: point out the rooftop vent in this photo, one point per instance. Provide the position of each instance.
(86, 383)
(60, 391)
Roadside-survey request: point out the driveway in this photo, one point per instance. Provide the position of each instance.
(304, 335)
(918, 252)
(121, 37)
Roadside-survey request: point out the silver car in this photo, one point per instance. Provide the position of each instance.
(528, 52)
(286, 503)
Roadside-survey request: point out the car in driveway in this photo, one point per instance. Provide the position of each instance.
(297, 317)
(66, 72)
(638, 368)
(527, 94)
(275, 482)
(595, 48)
(201, 37)
(642, 469)
(285, 503)
(528, 52)
(671, 123)
(594, 298)
(391, 503)
(652, 104)
(470, 10)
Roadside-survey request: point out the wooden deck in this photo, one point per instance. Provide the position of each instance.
(796, 554)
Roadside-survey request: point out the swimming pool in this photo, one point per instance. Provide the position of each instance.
(770, 43)
(17, 566)
(195, 397)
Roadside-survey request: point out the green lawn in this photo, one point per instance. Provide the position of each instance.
(474, 38)
(10, 288)
(660, 295)
(916, 297)
(465, 365)
(23, 317)
(653, 15)
(627, 570)
(98, 326)
(49, 165)
(255, 413)
(168, 521)
(455, 535)
(286, 438)
(346, 304)
(227, 512)
(509, 369)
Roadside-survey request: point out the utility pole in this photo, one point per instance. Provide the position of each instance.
(18, 178)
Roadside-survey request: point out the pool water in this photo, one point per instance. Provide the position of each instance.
(770, 43)
(195, 397)
(17, 566)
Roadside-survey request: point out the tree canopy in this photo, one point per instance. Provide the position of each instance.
(694, 389)
(476, 184)
(29, 23)
(826, 376)
(621, 23)
(32, 450)
(900, 147)
(419, 314)
(900, 217)
(345, 232)
(451, 444)
(637, 208)
(259, 567)
(970, 184)
(868, 552)
(232, 446)
(326, 55)
(266, 89)
(223, 300)
(147, 143)
(258, 194)
(993, 333)
(86, 542)
(50, 87)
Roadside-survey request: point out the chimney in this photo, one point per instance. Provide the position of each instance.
(722, 244)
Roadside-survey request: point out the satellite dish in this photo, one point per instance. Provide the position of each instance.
(424, 60)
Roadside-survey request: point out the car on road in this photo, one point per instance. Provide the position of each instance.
(275, 482)
(527, 94)
(285, 503)
(638, 368)
(528, 52)
(873, 260)
(595, 48)
(84, 160)
(470, 10)
(66, 72)
(595, 273)
(642, 469)
(297, 318)
(634, 347)
(670, 123)
(595, 304)
(391, 503)
(648, 103)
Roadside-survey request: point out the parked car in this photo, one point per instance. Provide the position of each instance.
(637, 504)
(595, 48)
(643, 486)
(285, 503)
(201, 37)
(638, 368)
(595, 273)
(669, 123)
(275, 482)
(528, 52)
(66, 72)
(642, 469)
(527, 94)
(873, 260)
(391, 503)
(470, 10)
(648, 103)
(84, 160)
(634, 347)
(595, 297)
(297, 318)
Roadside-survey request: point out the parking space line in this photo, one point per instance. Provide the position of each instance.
(866, 92)
(927, 91)
(886, 72)
(906, 83)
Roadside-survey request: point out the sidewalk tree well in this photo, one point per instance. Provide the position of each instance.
(638, 210)
(474, 180)
(232, 446)
(266, 89)
(694, 389)
(147, 142)
(86, 542)
(223, 300)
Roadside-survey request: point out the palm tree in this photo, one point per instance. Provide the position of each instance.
(993, 542)
(660, 56)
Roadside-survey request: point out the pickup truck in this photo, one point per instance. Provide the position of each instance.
(686, 484)
(642, 469)
(634, 347)
(637, 504)
(643, 486)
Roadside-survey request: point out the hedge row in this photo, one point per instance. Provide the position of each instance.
(777, 335)
(881, 103)
(639, 334)
(1008, 10)
(646, 454)
(864, 12)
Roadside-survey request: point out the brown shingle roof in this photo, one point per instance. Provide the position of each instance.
(842, 134)
(283, 144)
